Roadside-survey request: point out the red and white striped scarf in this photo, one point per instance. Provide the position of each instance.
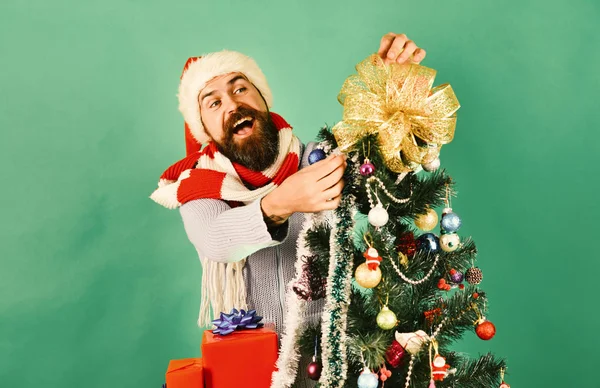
(209, 174)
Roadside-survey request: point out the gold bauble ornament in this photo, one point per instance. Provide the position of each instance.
(366, 277)
(427, 221)
(386, 319)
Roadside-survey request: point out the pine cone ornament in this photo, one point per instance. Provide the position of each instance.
(474, 276)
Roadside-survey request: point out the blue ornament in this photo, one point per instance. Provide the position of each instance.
(316, 155)
(368, 379)
(428, 242)
(450, 223)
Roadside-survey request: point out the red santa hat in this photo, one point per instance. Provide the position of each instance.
(197, 72)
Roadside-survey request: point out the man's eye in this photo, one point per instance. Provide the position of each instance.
(214, 103)
(240, 90)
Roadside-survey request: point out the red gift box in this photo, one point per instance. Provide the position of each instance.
(186, 373)
(242, 358)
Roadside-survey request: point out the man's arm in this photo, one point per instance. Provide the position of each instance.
(226, 234)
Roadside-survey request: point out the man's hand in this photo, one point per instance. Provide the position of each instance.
(398, 48)
(313, 189)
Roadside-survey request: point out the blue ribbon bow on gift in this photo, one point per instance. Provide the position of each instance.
(237, 320)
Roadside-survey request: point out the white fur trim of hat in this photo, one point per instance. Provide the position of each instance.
(207, 67)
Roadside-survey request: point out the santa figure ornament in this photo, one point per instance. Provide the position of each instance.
(439, 368)
(373, 258)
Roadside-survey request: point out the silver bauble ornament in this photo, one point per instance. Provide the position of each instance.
(368, 379)
(450, 223)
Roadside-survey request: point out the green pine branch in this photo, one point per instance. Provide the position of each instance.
(317, 239)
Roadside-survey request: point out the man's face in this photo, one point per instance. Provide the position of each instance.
(235, 116)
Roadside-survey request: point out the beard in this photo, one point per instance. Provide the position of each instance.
(257, 151)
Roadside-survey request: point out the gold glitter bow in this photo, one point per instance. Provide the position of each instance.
(397, 103)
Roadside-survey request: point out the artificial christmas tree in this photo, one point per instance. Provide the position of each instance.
(395, 298)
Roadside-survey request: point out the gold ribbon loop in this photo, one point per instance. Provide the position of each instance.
(397, 103)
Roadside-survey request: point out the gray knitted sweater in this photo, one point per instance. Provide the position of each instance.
(227, 234)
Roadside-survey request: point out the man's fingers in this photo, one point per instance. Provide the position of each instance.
(327, 166)
(400, 49)
(396, 47)
(419, 55)
(333, 203)
(409, 49)
(321, 165)
(332, 178)
(335, 190)
(386, 42)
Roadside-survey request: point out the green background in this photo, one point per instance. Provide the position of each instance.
(100, 287)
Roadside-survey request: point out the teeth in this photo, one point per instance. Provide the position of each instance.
(242, 120)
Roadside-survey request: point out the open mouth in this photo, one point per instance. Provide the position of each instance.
(243, 127)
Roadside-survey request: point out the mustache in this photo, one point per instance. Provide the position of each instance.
(239, 114)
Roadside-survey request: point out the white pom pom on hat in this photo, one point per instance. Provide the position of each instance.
(197, 72)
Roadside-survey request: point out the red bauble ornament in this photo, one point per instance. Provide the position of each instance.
(395, 354)
(314, 370)
(485, 330)
(407, 244)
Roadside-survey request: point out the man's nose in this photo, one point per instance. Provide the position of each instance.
(231, 105)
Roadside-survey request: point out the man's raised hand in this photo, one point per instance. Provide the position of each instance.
(400, 49)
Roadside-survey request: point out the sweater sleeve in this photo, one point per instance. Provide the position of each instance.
(226, 234)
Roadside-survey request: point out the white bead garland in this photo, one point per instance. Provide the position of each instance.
(415, 282)
(382, 187)
(439, 328)
(410, 367)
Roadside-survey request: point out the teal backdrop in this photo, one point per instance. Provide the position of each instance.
(99, 286)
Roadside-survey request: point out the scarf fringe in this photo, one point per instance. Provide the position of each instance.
(223, 289)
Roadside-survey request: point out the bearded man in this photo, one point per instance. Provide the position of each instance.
(243, 196)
